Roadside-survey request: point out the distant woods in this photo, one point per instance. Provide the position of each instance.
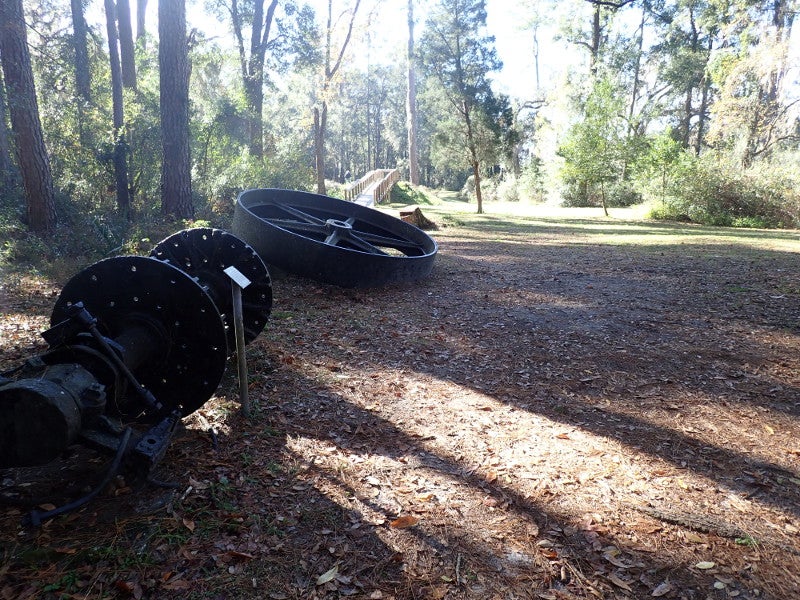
(107, 120)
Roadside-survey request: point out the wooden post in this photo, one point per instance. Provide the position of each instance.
(238, 283)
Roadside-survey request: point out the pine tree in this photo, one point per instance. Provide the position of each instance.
(457, 51)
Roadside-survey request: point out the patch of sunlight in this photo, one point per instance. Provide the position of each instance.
(508, 434)
(548, 225)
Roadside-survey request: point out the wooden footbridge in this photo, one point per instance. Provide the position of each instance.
(373, 188)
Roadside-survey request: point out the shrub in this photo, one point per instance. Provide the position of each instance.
(713, 192)
(405, 193)
(617, 193)
(507, 189)
(531, 185)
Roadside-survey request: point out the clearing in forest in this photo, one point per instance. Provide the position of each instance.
(568, 407)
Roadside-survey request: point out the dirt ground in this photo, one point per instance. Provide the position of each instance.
(583, 408)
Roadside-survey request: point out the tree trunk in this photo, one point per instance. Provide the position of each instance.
(476, 173)
(141, 12)
(252, 68)
(475, 162)
(254, 96)
(368, 122)
(331, 67)
(173, 61)
(411, 103)
(636, 72)
(594, 49)
(603, 197)
(9, 176)
(126, 44)
(82, 74)
(705, 86)
(118, 113)
(320, 122)
(686, 117)
(34, 164)
(782, 19)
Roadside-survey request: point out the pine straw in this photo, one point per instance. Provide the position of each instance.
(507, 428)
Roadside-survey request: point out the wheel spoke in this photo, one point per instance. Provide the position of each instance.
(389, 242)
(300, 214)
(298, 226)
(359, 243)
(332, 239)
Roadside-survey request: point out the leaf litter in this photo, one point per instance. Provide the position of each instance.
(552, 414)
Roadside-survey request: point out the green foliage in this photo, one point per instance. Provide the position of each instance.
(713, 191)
(404, 193)
(457, 53)
(613, 194)
(594, 150)
(709, 69)
(505, 187)
(659, 163)
(80, 237)
(531, 181)
(224, 180)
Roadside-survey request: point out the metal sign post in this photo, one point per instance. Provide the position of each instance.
(238, 283)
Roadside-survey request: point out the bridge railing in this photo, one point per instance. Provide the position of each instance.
(385, 186)
(385, 178)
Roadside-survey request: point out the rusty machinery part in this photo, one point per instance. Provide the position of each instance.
(162, 324)
(40, 416)
(205, 253)
(331, 240)
(132, 338)
(136, 343)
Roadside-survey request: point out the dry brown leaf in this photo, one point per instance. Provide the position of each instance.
(615, 561)
(233, 554)
(662, 589)
(328, 575)
(178, 584)
(404, 522)
(619, 582)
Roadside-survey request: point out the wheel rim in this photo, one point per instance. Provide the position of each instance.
(331, 240)
(116, 291)
(204, 253)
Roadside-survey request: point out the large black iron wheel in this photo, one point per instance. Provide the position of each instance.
(205, 253)
(331, 240)
(127, 292)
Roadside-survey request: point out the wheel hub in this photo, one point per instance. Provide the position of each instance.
(338, 225)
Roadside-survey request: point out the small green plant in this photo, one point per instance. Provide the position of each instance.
(270, 432)
(222, 494)
(67, 583)
(747, 541)
(404, 193)
(274, 467)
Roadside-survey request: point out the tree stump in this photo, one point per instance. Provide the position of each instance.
(413, 215)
